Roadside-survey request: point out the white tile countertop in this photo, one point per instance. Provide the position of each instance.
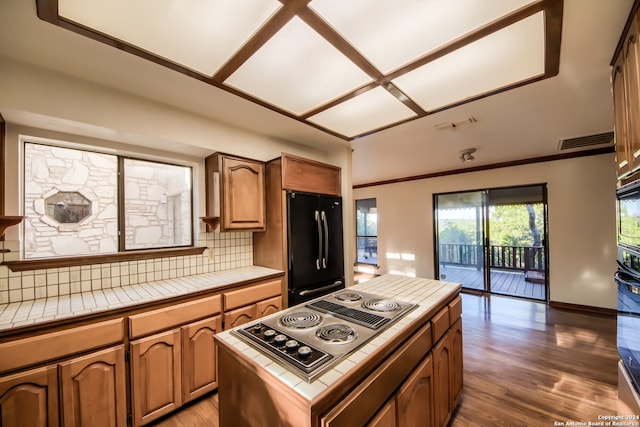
(62, 307)
(427, 293)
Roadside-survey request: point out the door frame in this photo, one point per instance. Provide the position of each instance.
(486, 237)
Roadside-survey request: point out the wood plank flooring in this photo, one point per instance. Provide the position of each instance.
(525, 364)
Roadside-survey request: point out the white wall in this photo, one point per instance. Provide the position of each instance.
(59, 105)
(582, 230)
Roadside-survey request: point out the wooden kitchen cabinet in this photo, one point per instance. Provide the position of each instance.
(156, 373)
(93, 389)
(235, 193)
(289, 172)
(199, 358)
(414, 400)
(386, 416)
(447, 373)
(412, 405)
(441, 375)
(309, 176)
(626, 95)
(30, 398)
(367, 401)
(244, 305)
(457, 380)
(248, 313)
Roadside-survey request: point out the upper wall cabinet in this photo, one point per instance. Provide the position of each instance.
(235, 193)
(309, 176)
(626, 95)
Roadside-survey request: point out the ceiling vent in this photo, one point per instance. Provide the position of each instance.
(586, 141)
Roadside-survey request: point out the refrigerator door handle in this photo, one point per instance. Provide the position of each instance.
(320, 290)
(317, 215)
(326, 239)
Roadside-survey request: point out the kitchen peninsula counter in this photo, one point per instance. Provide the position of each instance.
(255, 387)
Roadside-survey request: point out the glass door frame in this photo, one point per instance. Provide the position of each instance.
(487, 268)
(480, 241)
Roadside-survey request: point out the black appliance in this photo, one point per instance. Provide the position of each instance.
(316, 253)
(628, 279)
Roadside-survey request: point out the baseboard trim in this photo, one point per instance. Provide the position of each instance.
(584, 308)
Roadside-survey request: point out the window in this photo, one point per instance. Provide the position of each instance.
(73, 204)
(367, 231)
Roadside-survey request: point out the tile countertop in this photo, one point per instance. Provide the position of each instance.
(424, 292)
(48, 309)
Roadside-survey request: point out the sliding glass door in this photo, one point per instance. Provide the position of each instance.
(460, 237)
(494, 240)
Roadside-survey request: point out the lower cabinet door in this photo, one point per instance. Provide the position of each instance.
(268, 306)
(30, 398)
(93, 390)
(441, 380)
(156, 385)
(414, 400)
(199, 358)
(386, 416)
(239, 316)
(457, 368)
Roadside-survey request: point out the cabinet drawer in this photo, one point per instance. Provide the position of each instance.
(165, 318)
(455, 310)
(440, 324)
(38, 349)
(252, 294)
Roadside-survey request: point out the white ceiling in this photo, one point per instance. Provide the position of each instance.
(516, 124)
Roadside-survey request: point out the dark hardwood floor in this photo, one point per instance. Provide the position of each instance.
(525, 364)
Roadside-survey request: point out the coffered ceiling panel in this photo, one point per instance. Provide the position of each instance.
(511, 55)
(197, 34)
(371, 110)
(349, 68)
(392, 33)
(297, 70)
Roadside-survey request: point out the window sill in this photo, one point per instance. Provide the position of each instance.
(43, 263)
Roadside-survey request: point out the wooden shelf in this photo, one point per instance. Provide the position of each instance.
(8, 221)
(211, 221)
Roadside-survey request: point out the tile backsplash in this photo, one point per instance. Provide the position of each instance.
(224, 251)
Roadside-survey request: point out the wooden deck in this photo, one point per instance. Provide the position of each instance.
(510, 283)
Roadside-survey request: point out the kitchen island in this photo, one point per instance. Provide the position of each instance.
(410, 373)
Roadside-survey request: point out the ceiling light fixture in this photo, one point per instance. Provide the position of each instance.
(467, 155)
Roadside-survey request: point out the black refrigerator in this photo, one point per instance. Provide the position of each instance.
(316, 252)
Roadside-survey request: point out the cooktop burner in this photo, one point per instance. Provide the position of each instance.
(348, 296)
(309, 338)
(336, 333)
(301, 320)
(381, 305)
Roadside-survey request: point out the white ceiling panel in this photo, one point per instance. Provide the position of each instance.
(371, 110)
(508, 56)
(198, 34)
(297, 70)
(391, 33)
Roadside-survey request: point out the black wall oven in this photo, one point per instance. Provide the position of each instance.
(628, 279)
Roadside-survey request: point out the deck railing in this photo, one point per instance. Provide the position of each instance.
(519, 258)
